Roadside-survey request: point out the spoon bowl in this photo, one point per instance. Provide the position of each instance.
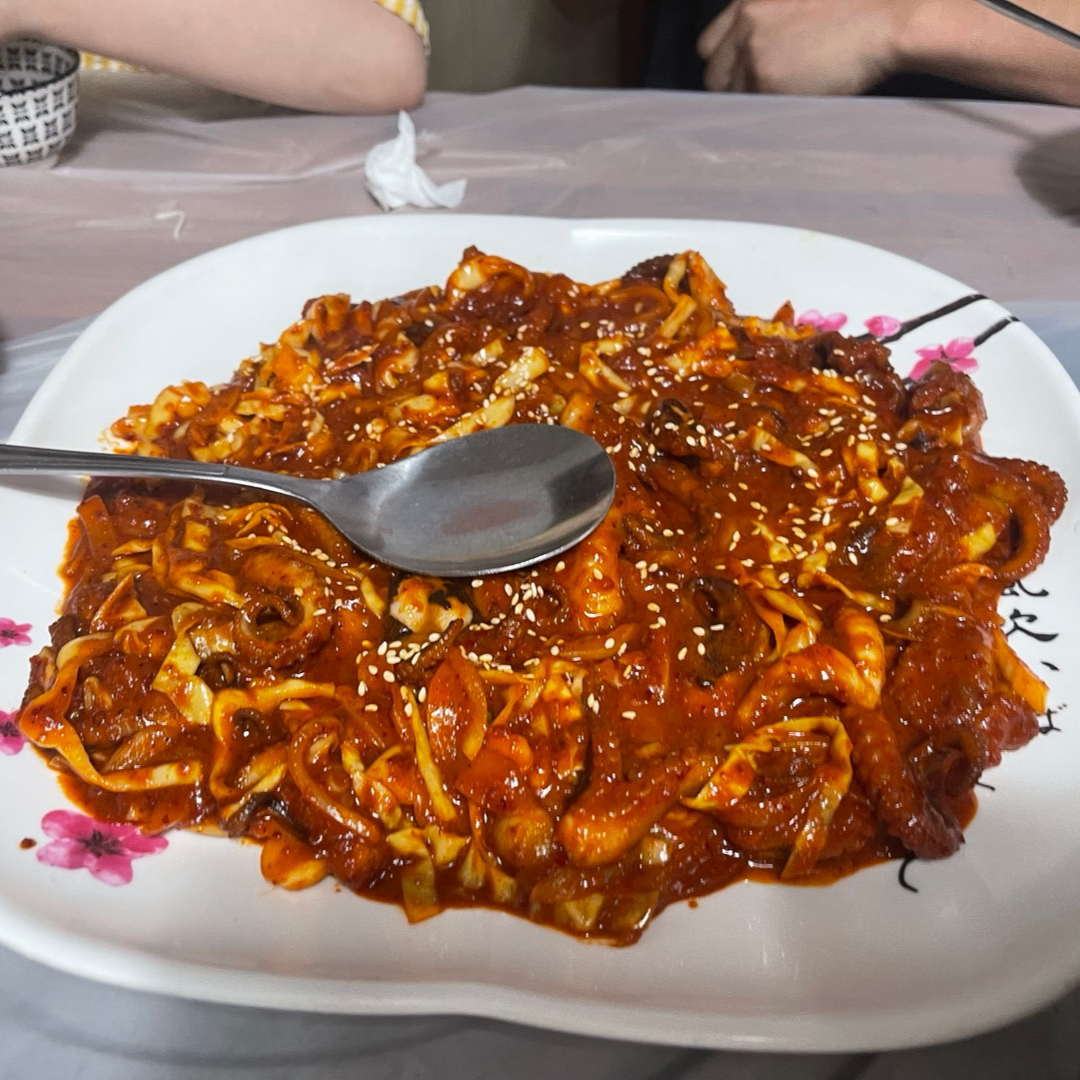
(486, 503)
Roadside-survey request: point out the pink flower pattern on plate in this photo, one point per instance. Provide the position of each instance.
(13, 633)
(882, 326)
(956, 353)
(105, 850)
(820, 322)
(12, 739)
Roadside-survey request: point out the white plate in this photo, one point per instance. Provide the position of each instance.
(863, 964)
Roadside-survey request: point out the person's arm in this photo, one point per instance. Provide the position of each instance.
(323, 55)
(848, 46)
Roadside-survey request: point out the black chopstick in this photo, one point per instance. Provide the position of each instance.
(1036, 22)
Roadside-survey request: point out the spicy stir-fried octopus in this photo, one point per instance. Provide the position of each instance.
(778, 656)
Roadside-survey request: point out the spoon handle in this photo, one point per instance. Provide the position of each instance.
(34, 459)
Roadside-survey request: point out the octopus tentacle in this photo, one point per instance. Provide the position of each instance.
(853, 827)
(908, 812)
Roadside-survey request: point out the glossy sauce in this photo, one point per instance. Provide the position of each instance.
(778, 657)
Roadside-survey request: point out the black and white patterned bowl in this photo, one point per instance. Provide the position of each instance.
(39, 94)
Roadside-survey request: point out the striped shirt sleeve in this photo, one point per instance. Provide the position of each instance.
(412, 13)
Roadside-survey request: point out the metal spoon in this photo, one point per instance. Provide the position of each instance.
(480, 504)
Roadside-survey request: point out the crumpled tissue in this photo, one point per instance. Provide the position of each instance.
(395, 179)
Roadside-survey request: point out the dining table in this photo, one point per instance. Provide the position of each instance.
(160, 171)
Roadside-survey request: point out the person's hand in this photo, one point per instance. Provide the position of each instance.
(803, 46)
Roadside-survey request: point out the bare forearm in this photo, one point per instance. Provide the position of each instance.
(965, 41)
(324, 55)
(848, 46)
